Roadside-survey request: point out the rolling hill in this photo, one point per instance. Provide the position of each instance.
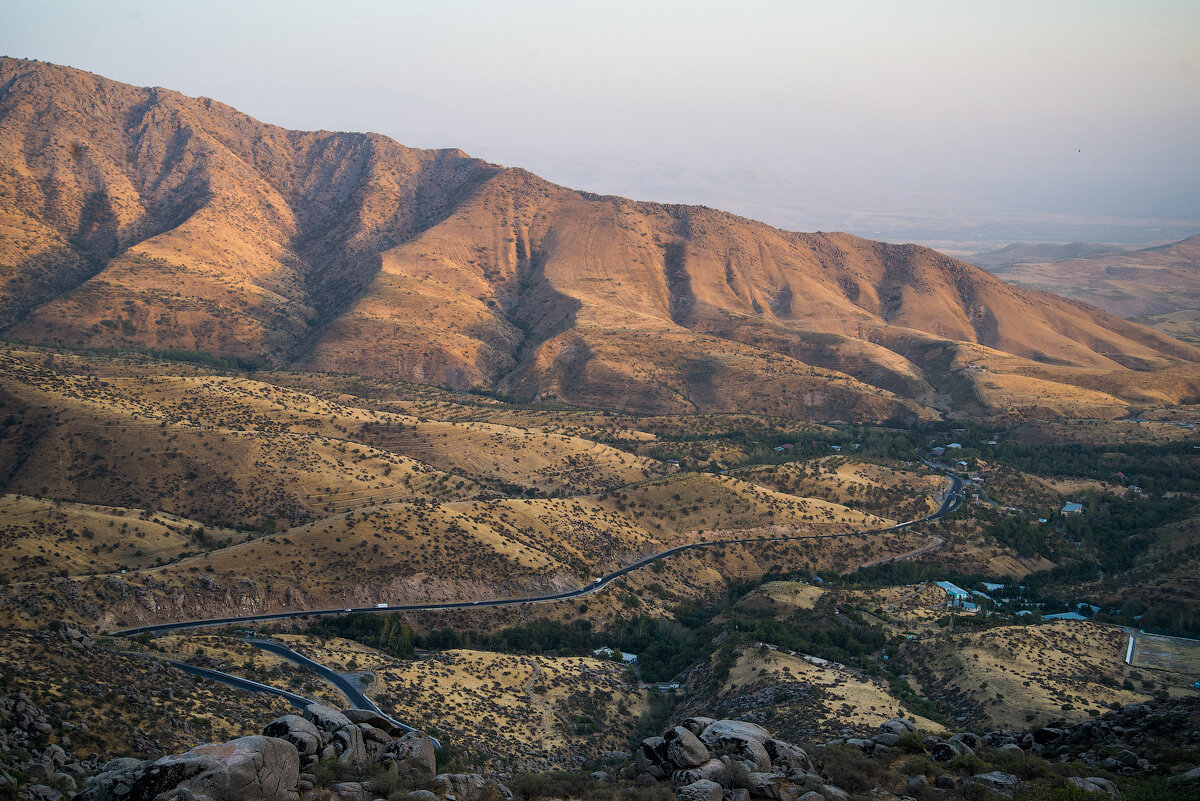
(141, 218)
(1158, 286)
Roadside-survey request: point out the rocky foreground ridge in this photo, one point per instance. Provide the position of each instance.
(358, 755)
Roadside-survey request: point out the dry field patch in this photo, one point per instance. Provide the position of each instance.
(1174, 654)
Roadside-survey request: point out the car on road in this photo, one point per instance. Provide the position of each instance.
(381, 606)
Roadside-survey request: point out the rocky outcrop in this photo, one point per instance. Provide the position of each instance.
(279, 765)
(711, 760)
(409, 757)
(734, 760)
(470, 787)
(35, 743)
(255, 768)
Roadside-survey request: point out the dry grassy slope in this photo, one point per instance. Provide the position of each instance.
(414, 552)
(404, 553)
(233, 450)
(40, 538)
(512, 454)
(133, 705)
(210, 449)
(143, 217)
(866, 486)
(516, 712)
(704, 502)
(1015, 676)
(803, 701)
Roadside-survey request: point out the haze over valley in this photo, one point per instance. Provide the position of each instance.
(775, 402)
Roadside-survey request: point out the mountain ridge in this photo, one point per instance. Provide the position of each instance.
(145, 218)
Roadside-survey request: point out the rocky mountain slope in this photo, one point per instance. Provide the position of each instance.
(141, 218)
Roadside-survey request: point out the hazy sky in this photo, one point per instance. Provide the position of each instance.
(892, 117)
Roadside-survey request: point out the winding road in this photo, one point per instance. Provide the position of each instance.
(240, 683)
(952, 499)
(356, 697)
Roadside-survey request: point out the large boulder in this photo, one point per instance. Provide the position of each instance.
(831, 793)
(298, 731)
(372, 718)
(684, 748)
(255, 768)
(1048, 735)
(945, 751)
(1095, 784)
(327, 719)
(410, 757)
(351, 791)
(703, 790)
(713, 770)
(696, 725)
(898, 726)
(651, 757)
(786, 758)
(374, 739)
(470, 787)
(348, 742)
(996, 780)
(740, 740)
(969, 741)
(766, 785)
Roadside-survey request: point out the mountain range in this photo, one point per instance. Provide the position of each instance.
(140, 218)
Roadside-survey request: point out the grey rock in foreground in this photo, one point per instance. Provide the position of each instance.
(254, 768)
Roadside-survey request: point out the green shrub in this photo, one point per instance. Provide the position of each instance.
(1048, 792)
(1022, 766)
(921, 765)
(969, 764)
(329, 772)
(849, 768)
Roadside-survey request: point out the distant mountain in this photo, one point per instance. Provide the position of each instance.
(1021, 253)
(138, 217)
(1158, 286)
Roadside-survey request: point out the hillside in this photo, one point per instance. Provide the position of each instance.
(1159, 286)
(141, 218)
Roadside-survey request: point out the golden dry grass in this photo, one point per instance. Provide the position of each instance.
(793, 594)
(129, 702)
(515, 712)
(40, 538)
(834, 697)
(1018, 676)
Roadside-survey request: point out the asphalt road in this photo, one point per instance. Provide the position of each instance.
(357, 699)
(951, 501)
(243, 684)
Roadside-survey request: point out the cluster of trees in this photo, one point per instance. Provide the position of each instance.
(1118, 529)
(386, 632)
(816, 633)
(1168, 467)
